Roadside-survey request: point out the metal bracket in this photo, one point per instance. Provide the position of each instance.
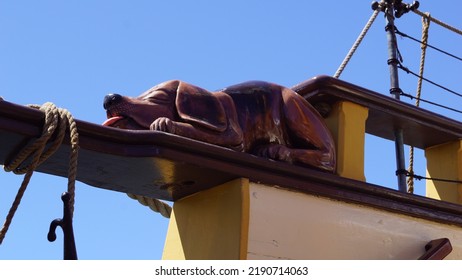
(400, 8)
(437, 249)
(70, 251)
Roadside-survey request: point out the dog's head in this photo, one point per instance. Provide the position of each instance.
(140, 112)
(175, 100)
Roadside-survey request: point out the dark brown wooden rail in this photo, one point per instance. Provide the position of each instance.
(422, 128)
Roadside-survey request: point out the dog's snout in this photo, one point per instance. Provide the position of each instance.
(111, 99)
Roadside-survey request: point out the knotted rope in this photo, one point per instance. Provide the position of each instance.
(56, 119)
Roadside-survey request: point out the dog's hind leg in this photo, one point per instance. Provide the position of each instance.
(311, 141)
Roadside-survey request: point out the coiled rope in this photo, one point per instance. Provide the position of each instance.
(423, 46)
(56, 119)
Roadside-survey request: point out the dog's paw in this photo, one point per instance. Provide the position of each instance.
(274, 151)
(163, 124)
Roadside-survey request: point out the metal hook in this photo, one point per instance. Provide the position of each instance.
(70, 251)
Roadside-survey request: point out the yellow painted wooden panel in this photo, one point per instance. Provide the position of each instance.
(212, 224)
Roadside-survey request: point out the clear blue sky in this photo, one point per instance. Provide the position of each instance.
(72, 53)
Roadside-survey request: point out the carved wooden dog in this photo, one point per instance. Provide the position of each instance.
(261, 118)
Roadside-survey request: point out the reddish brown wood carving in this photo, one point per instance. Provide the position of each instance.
(260, 118)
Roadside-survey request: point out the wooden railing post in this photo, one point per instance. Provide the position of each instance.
(445, 161)
(347, 123)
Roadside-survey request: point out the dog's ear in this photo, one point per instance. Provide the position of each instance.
(201, 107)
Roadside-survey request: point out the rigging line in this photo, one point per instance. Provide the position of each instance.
(430, 102)
(423, 47)
(356, 44)
(419, 177)
(426, 44)
(445, 25)
(400, 66)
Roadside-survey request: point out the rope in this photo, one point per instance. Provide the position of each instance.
(445, 25)
(356, 43)
(55, 119)
(423, 46)
(154, 204)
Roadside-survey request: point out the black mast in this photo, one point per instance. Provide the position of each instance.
(395, 9)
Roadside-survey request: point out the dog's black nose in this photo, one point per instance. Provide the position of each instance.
(111, 99)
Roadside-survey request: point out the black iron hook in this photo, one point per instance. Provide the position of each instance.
(70, 251)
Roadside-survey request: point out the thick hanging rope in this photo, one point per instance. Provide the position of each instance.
(423, 46)
(356, 43)
(56, 119)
